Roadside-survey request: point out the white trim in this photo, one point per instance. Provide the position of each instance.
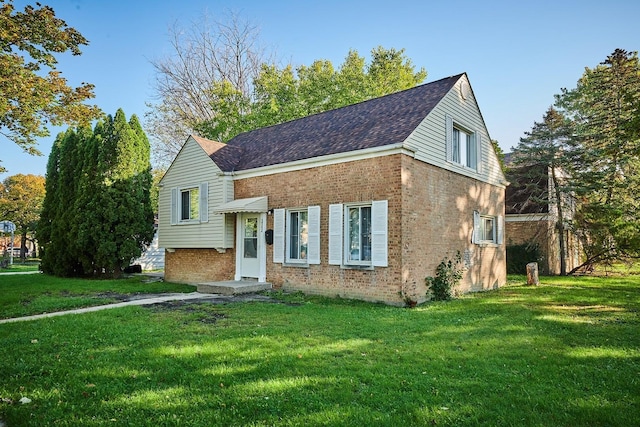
(475, 233)
(532, 217)
(330, 159)
(278, 235)
(262, 253)
(379, 233)
(335, 234)
(313, 244)
(262, 249)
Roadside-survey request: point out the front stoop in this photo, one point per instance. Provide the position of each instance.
(233, 287)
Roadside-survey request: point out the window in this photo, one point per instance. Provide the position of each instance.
(297, 236)
(463, 145)
(463, 148)
(487, 229)
(189, 204)
(358, 233)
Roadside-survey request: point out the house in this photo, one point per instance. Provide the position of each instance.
(360, 202)
(531, 219)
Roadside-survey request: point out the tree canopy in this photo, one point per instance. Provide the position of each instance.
(538, 178)
(21, 199)
(220, 82)
(604, 155)
(31, 99)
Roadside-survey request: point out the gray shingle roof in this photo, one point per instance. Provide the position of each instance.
(374, 123)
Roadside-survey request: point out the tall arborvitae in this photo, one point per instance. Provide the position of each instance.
(49, 207)
(127, 217)
(99, 213)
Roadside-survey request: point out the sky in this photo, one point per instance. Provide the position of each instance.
(517, 54)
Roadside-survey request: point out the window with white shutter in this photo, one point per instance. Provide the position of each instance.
(358, 234)
(190, 204)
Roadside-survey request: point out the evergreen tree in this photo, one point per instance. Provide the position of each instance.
(538, 175)
(98, 208)
(49, 207)
(605, 149)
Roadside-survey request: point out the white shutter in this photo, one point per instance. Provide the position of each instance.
(478, 159)
(449, 137)
(500, 230)
(379, 238)
(335, 234)
(204, 202)
(313, 256)
(475, 238)
(174, 206)
(278, 235)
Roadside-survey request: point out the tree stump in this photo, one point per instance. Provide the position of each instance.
(532, 274)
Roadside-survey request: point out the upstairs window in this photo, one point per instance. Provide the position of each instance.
(463, 145)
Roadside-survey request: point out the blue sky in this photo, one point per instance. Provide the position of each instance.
(518, 54)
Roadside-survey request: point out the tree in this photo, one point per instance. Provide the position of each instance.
(211, 61)
(29, 98)
(605, 155)
(283, 94)
(20, 203)
(97, 214)
(538, 174)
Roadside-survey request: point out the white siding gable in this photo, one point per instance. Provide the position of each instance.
(430, 140)
(193, 168)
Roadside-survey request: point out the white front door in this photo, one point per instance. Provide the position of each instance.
(251, 256)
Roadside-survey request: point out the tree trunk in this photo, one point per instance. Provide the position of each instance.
(532, 274)
(560, 222)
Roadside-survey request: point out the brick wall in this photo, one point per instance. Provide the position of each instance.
(438, 222)
(199, 265)
(363, 180)
(430, 216)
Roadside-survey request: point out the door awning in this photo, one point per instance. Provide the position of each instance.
(252, 204)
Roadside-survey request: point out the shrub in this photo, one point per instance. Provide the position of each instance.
(518, 256)
(448, 274)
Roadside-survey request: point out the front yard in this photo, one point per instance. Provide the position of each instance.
(566, 353)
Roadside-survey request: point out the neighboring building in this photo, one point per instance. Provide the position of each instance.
(359, 202)
(532, 217)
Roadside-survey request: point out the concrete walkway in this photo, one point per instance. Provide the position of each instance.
(143, 301)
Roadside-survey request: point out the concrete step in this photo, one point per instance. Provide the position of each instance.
(232, 287)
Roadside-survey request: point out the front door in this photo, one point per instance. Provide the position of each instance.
(249, 245)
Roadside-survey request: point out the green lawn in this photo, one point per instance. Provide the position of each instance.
(566, 353)
(24, 295)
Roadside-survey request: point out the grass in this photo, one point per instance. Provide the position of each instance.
(566, 353)
(20, 266)
(25, 295)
